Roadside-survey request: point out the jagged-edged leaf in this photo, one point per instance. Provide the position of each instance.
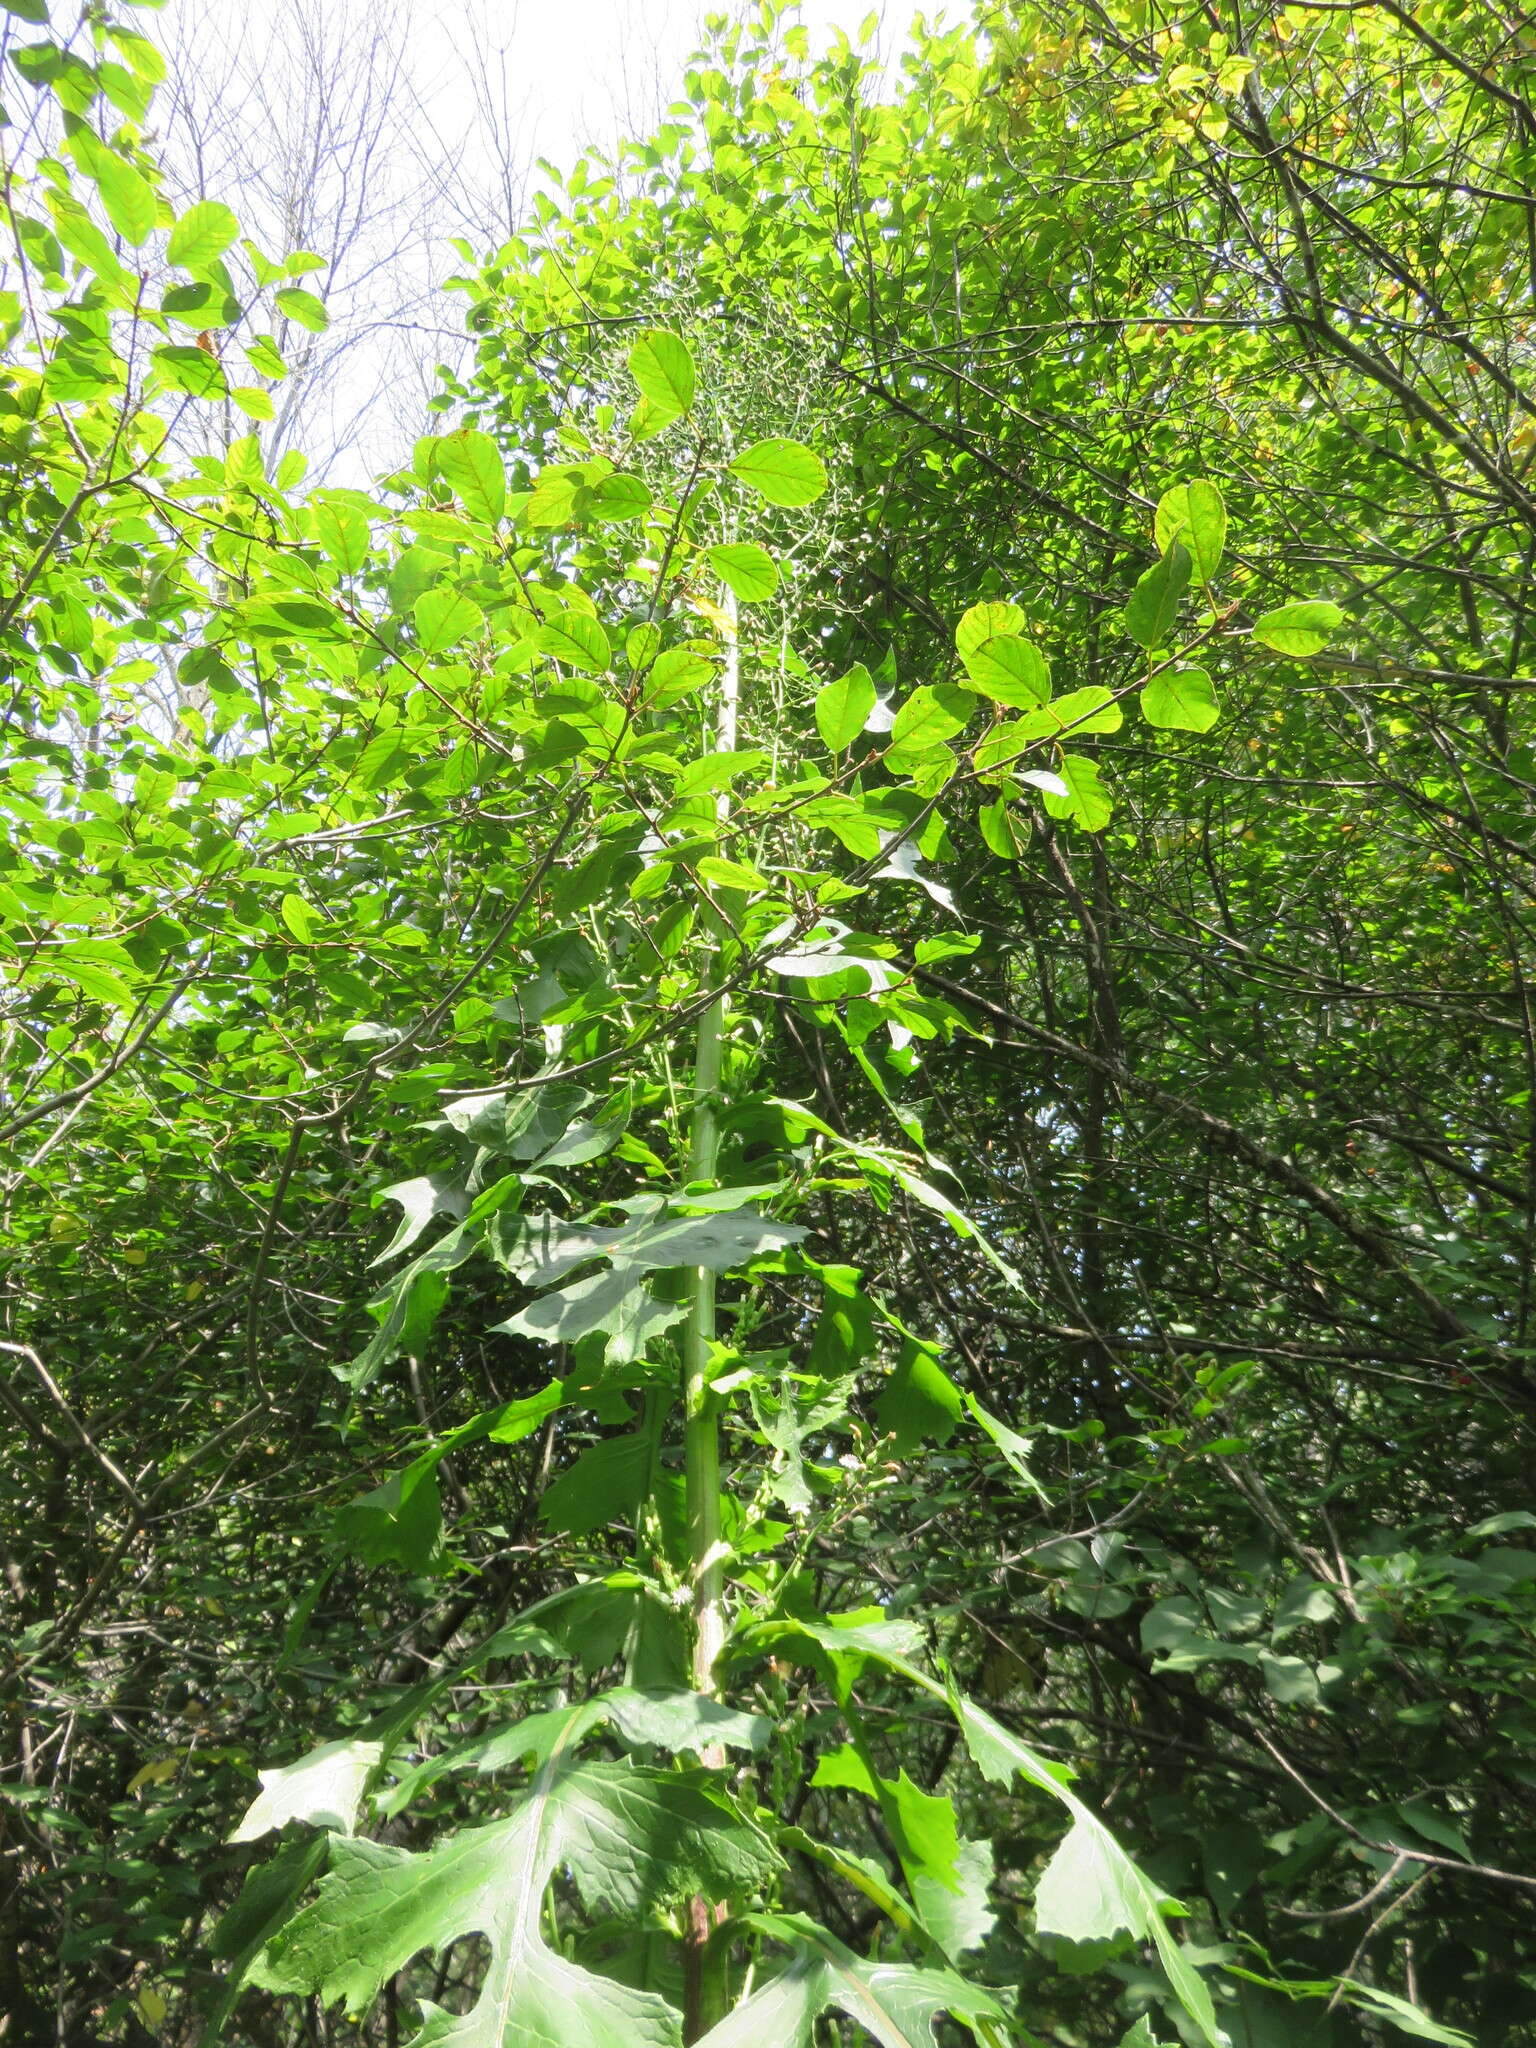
(1091, 1886)
(920, 1403)
(949, 1877)
(895, 2004)
(431, 1194)
(1195, 514)
(633, 1841)
(324, 1788)
(748, 571)
(662, 1717)
(406, 1309)
(543, 1248)
(783, 472)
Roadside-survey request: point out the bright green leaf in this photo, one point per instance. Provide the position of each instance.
(1180, 700)
(783, 472)
(1194, 514)
(1300, 629)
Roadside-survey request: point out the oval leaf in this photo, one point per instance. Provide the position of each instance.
(983, 622)
(1181, 702)
(749, 573)
(1194, 514)
(1155, 601)
(1009, 671)
(577, 639)
(660, 364)
(783, 472)
(1303, 628)
(444, 617)
(202, 235)
(470, 464)
(843, 707)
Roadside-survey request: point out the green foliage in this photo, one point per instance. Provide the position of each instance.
(933, 1451)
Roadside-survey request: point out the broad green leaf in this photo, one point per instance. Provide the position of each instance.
(893, 2003)
(928, 719)
(1002, 832)
(303, 308)
(783, 472)
(577, 639)
(255, 403)
(343, 531)
(262, 354)
(1303, 628)
(1090, 1886)
(615, 498)
(1154, 604)
(470, 464)
(920, 1403)
(1086, 801)
(202, 235)
(127, 195)
(1015, 1448)
(444, 617)
(299, 918)
(842, 707)
(1194, 514)
(400, 1523)
(1090, 709)
(191, 370)
(748, 571)
(721, 873)
(1180, 700)
(676, 674)
(1009, 670)
(632, 1840)
(324, 1788)
(606, 1484)
(984, 622)
(661, 365)
(542, 1249)
(93, 979)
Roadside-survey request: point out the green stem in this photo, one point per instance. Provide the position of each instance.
(706, 1964)
(706, 1557)
(702, 1440)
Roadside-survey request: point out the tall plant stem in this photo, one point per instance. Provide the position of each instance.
(706, 1971)
(706, 1563)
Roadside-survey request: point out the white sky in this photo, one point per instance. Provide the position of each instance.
(476, 92)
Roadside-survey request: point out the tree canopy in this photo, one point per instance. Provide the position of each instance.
(767, 1139)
